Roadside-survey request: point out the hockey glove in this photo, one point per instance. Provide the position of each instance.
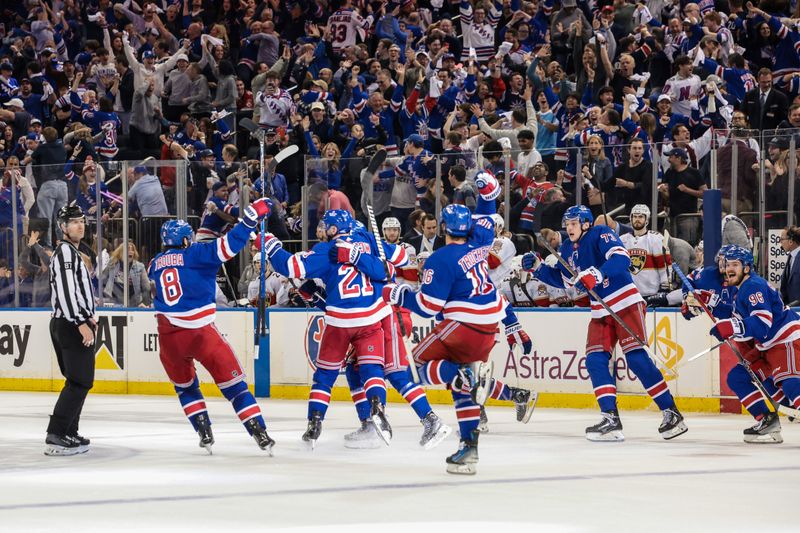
(710, 298)
(588, 279)
(658, 299)
(344, 252)
(516, 335)
(393, 293)
(488, 186)
(531, 261)
(725, 329)
(688, 312)
(256, 211)
(310, 291)
(271, 244)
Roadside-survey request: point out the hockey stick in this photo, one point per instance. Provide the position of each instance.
(699, 355)
(608, 309)
(788, 411)
(403, 333)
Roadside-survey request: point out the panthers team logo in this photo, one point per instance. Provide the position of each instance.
(312, 339)
(638, 259)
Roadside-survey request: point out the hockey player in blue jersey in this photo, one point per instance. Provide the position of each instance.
(395, 365)
(602, 263)
(455, 283)
(353, 314)
(760, 316)
(185, 286)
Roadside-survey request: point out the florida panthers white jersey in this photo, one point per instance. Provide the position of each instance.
(500, 255)
(649, 261)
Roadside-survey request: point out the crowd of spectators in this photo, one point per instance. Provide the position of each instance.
(605, 101)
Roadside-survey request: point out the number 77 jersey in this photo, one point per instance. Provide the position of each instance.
(456, 283)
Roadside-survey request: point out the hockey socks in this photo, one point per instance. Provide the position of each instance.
(791, 388)
(740, 383)
(374, 385)
(604, 388)
(438, 372)
(467, 412)
(244, 404)
(357, 392)
(192, 401)
(411, 392)
(646, 370)
(320, 396)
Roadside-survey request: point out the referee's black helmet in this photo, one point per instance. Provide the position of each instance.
(69, 212)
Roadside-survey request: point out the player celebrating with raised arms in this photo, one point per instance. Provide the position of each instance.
(455, 282)
(353, 314)
(760, 315)
(185, 285)
(603, 264)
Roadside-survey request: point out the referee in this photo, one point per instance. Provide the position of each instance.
(72, 328)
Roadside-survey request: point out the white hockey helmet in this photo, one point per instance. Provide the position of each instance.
(641, 209)
(499, 224)
(257, 257)
(389, 223)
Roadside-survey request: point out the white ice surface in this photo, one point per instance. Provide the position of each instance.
(145, 472)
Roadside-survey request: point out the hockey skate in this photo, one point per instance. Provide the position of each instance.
(524, 401)
(204, 431)
(364, 438)
(378, 418)
(259, 433)
(608, 429)
(83, 442)
(66, 445)
(483, 424)
(464, 461)
(314, 429)
(765, 431)
(483, 383)
(434, 431)
(672, 425)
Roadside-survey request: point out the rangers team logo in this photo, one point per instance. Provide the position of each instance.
(313, 337)
(638, 259)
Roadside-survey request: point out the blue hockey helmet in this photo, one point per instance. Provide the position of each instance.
(725, 248)
(577, 212)
(341, 219)
(174, 231)
(738, 253)
(457, 220)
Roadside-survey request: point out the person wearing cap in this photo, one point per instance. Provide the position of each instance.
(411, 178)
(682, 187)
(319, 124)
(519, 121)
(666, 119)
(218, 216)
(13, 113)
(148, 68)
(8, 84)
(178, 87)
(146, 193)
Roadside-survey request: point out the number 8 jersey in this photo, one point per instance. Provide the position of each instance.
(186, 278)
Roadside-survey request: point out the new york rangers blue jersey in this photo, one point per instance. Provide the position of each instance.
(600, 247)
(212, 225)
(709, 281)
(766, 319)
(456, 283)
(351, 300)
(186, 278)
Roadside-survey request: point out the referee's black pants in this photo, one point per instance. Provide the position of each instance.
(76, 362)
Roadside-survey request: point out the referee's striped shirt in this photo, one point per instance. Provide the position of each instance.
(71, 286)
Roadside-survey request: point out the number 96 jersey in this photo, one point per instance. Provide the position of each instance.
(456, 283)
(766, 319)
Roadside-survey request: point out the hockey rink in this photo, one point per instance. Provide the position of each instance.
(145, 471)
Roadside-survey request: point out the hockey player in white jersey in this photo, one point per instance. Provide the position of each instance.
(407, 273)
(501, 253)
(650, 260)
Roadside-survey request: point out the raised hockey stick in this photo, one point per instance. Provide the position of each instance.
(699, 355)
(778, 408)
(641, 342)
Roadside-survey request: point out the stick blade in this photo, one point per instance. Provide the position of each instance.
(377, 160)
(248, 124)
(286, 153)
